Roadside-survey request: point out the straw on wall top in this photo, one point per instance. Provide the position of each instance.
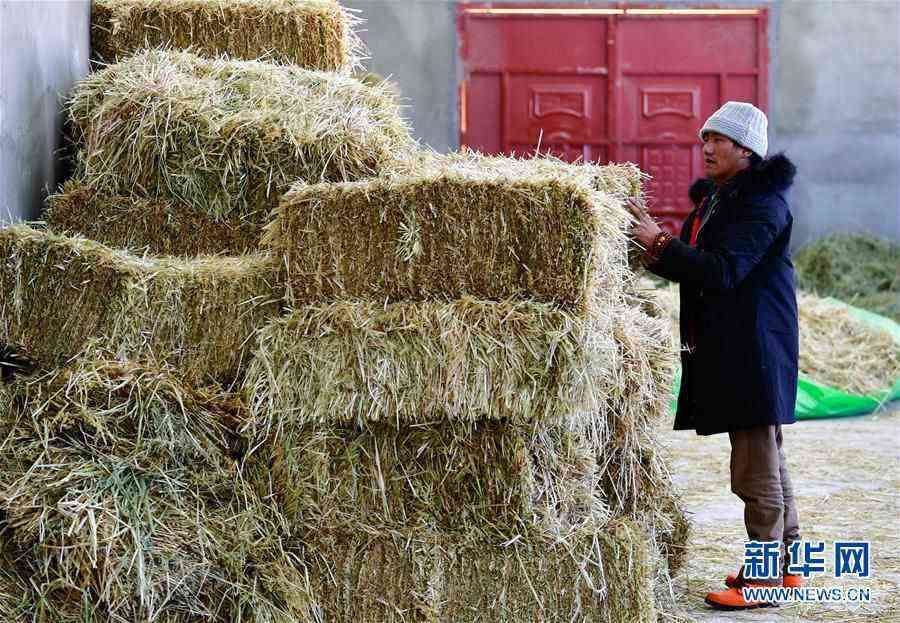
(226, 136)
(315, 34)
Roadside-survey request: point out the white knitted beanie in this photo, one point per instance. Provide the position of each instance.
(743, 123)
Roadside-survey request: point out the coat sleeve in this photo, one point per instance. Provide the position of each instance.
(738, 249)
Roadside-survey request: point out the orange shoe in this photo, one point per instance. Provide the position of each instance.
(733, 580)
(792, 581)
(733, 599)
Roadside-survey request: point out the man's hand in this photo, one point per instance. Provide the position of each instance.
(646, 229)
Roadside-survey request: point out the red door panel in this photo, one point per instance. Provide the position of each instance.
(538, 43)
(574, 105)
(535, 81)
(601, 83)
(662, 115)
(672, 169)
(672, 43)
(482, 113)
(667, 107)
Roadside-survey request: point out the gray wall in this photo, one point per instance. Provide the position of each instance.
(836, 108)
(43, 51)
(413, 42)
(834, 97)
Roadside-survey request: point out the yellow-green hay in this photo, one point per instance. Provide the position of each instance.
(377, 80)
(421, 362)
(111, 452)
(672, 526)
(638, 390)
(154, 226)
(621, 180)
(14, 597)
(224, 136)
(126, 407)
(841, 351)
(491, 228)
(315, 34)
(634, 478)
(495, 478)
(601, 575)
(369, 415)
(836, 349)
(200, 314)
(119, 501)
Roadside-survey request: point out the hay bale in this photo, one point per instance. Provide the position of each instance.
(119, 500)
(422, 362)
(129, 408)
(174, 557)
(672, 527)
(861, 270)
(357, 373)
(374, 79)
(61, 293)
(224, 136)
(634, 479)
(622, 180)
(596, 575)
(154, 226)
(504, 228)
(448, 414)
(315, 34)
(492, 477)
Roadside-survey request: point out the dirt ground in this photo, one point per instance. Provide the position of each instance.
(846, 476)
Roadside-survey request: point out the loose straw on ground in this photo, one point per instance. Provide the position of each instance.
(843, 352)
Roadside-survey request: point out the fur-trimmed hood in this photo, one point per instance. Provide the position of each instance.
(773, 175)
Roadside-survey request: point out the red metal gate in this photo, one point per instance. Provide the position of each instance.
(608, 83)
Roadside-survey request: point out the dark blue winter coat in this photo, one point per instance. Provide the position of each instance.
(737, 291)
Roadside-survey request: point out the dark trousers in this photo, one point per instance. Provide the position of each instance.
(760, 478)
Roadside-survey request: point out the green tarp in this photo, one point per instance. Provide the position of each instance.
(816, 401)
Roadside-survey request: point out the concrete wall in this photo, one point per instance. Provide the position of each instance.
(43, 51)
(836, 108)
(834, 89)
(413, 42)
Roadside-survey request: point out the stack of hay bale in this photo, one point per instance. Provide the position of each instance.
(408, 387)
(462, 391)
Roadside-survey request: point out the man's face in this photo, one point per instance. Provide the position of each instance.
(722, 157)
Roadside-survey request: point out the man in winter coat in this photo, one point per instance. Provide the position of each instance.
(739, 329)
